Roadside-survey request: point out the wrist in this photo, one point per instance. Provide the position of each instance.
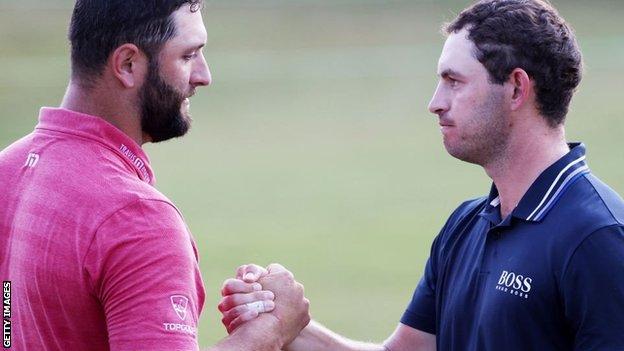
(274, 329)
(263, 333)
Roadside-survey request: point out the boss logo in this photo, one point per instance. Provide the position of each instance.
(514, 284)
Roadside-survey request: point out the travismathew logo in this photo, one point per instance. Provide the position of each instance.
(514, 284)
(136, 160)
(31, 160)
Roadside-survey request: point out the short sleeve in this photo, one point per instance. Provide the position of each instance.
(143, 269)
(421, 312)
(593, 291)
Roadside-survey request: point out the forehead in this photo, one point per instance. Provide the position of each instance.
(458, 55)
(190, 29)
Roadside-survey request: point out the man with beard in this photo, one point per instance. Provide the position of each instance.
(97, 257)
(538, 263)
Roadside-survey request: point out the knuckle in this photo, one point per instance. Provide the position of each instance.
(236, 300)
(224, 321)
(229, 315)
(239, 310)
(231, 286)
(240, 271)
(246, 316)
(227, 283)
(226, 303)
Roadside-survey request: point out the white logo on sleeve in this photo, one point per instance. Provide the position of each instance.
(180, 306)
(32, 160)
(179, 303)
(514, 284)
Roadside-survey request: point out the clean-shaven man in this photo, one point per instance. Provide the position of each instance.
(538, 264)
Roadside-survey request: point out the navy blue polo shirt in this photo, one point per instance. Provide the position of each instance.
(550, 276)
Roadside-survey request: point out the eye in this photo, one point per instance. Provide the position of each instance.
(189, 56)
(453, 83)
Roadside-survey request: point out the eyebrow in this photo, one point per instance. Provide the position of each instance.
(198, 47)
(449, 72)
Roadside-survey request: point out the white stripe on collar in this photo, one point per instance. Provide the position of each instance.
(554, 197)
(495, 202)
(539, 206)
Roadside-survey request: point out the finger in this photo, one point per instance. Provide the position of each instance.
(238, 321)
(250, 272)
(278, 269)
(259, 306)
(234, 286)
(275, 268)
(230, 301)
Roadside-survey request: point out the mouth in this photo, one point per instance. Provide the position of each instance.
(446, 125)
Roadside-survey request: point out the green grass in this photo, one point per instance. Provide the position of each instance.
(313, 147)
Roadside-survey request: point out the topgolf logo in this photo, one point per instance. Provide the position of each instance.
(179, 304)
(514, 284)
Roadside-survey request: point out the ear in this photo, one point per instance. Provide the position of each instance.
(522, 88)
(129, 65)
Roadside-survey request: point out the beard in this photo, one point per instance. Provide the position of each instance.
(161, 108)
(485, 135)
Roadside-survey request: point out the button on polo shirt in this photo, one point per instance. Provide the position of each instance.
(550, 276)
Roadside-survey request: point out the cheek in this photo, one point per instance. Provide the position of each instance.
(466, 105)
(462, 107)
(178, 75)
(180, 78)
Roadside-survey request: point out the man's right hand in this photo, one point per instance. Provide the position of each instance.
(291, 309)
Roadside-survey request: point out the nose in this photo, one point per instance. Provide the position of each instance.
(438, 104)
(201, 73)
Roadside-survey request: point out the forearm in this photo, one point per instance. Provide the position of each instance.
(316, 337)
(259, 335)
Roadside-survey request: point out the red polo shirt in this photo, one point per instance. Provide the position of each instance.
(98, 259)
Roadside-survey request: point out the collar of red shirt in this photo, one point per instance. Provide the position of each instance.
(99, 130)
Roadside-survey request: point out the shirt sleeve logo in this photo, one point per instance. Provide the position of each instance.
(32, 160)
(179, 303)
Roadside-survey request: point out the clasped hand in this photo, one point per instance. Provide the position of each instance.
(257, 290)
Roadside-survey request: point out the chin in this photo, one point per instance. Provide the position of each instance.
(460, 153)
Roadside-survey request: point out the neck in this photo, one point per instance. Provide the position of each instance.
(119, 110)
(524, 160)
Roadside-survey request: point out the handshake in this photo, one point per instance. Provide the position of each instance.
(265, 302)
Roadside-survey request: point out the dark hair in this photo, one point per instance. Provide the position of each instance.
(531, 35)
(98, 27)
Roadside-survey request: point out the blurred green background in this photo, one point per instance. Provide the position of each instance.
(313, 147)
